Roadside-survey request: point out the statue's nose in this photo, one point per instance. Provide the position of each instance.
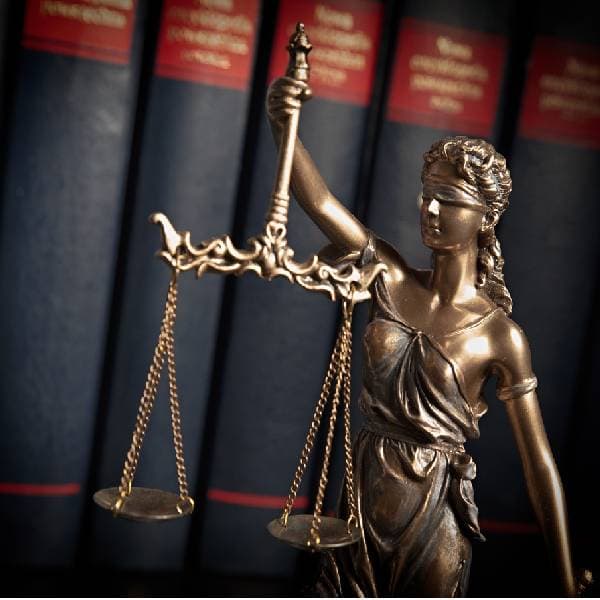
(434, 208)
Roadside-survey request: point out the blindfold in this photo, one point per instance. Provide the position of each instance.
(458, 192)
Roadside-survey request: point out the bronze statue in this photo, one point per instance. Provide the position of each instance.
(434, 338)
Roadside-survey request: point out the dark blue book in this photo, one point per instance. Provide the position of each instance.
(550, 236)
(63, 192)
(421, 110)
(191, 152)
(280, 335)
(552, 245)
(552, 298)
(581, 455)
(11, 24)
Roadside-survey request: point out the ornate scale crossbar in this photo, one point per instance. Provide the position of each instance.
(268, 255)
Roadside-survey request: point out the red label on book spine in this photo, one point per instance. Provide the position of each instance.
(345, 38)
(446, 77)
(208, 41)
(562, 96)
(98, 29)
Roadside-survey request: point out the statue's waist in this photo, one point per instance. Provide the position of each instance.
(398, 433)
(460, 464)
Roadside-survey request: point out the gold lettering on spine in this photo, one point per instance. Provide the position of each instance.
(358, 41)
(439, 85)
(570, 85)
(223, 41)
(215, 28)
(335, 18)
(569, 105)
(119, 4)
(226, 5)
(212, 20)
(450, 75)
(329, 75)
(206, 57)
(448, 47)
(445, 66)
(84, 14)
(578, 68)
(340, 58)
(339, 47)
(446, 104)
(575, 93)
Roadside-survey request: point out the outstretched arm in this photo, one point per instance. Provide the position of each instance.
(543, 483)
(541, 474)
(341, 227)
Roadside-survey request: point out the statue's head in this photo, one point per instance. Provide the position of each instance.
(465, 191)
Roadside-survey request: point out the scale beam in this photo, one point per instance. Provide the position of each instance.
(268, 254)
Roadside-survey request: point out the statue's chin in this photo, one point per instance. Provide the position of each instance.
(431, 238)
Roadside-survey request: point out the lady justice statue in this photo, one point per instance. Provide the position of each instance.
(434, 338)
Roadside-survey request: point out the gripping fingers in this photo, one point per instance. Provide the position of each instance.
(285, 97)
(285, 86)
(284, 101)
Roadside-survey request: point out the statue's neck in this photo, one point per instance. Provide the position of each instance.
(455, 275)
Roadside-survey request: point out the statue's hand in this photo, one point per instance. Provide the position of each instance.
(285, 96)
(583, 580)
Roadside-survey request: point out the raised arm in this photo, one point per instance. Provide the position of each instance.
(516, 389)
(342, 228)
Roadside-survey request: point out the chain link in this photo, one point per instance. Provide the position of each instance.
(352, 517)
(164, 350)
(315, 539)
(313, 429)
(174, 405)
(338, 371)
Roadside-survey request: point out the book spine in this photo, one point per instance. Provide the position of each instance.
(190, 157)
(281, 336)
(11, 24)
(553, 157)
(445, 79)
(65, 175)
(550, 238)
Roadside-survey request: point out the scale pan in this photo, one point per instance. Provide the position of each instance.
(145, 504)
(333, 532)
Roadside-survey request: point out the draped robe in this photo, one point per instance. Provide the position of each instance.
(413, 478)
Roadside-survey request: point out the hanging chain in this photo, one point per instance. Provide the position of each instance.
(174, 405)
(352, 517)
(313, 429)
(338, 371)
(164, 349)
(315, 539)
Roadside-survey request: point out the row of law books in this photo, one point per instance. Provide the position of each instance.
(114, 112)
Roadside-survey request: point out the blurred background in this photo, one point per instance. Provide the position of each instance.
(113, 109)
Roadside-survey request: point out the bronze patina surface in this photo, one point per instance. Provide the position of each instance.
(408, 514)
(145, 504)
(334, 533)
(434, 339)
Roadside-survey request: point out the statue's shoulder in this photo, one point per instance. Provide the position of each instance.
(511, 348)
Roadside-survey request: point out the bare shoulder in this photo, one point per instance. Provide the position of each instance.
(512, 356)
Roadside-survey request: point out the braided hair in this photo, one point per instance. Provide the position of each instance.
(479, 164)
